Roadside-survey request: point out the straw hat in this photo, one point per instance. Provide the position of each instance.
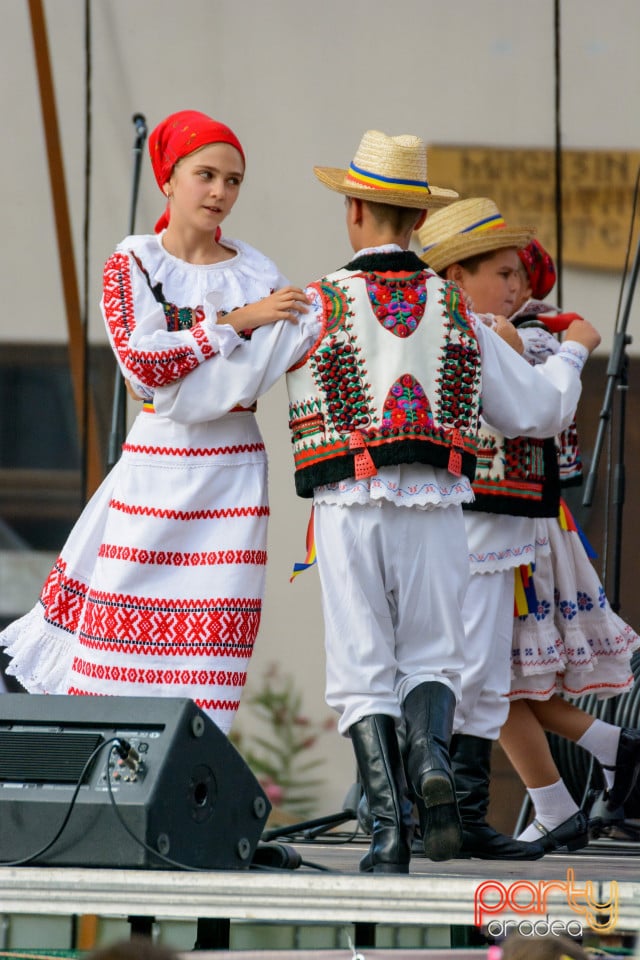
(388, 170)
(466, 228)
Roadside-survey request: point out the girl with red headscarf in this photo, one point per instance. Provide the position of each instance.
(158, 590)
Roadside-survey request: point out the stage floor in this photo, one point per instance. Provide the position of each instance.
(328, 888)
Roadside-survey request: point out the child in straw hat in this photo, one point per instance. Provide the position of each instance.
(471, 244)
(567, 638)
(518, 509)
(383, 414)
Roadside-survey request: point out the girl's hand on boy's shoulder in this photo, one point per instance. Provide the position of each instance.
(285, 304)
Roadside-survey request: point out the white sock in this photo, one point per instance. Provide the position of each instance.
(601, 740)
(553, 805)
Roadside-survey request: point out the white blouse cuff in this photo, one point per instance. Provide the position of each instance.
(222, 337)
(574, 353)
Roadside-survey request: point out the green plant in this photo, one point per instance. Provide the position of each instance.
(278, 754)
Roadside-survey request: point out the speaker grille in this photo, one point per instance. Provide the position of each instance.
(45, 756)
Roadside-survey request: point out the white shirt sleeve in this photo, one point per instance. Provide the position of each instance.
(219, 384)
(136, 323)
(522, 400)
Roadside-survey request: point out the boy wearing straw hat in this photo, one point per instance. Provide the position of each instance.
(516, 481)
(383, 415)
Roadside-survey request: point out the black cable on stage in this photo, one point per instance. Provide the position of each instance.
(267, 857)
(38, 853)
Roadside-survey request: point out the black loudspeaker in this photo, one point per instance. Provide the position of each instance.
(178, 784)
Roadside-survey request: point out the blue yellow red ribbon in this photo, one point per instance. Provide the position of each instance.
(568, 522)
(525, 600)
(311, 557)
(368, 178)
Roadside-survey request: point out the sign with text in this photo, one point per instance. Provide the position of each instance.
(597, 195)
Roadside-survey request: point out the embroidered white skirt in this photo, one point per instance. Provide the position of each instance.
(158, 590)
(573, 642)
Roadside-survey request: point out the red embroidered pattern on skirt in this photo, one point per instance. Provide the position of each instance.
(167, 514)
(129, 674)
(209, 706)
(193, 451)
(160, 627)
(153, 368)
(560, 684)
(176, 558)
(63, 598)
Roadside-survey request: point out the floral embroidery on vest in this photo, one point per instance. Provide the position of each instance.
(338, 367)
(398, 302)
(406, 403)
(460, 377)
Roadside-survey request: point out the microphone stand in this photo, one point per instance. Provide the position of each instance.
(616, 380)
(119, 407)
(310, 829)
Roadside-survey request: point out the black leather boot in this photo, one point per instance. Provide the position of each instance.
(363, 815)
(428, 712)
(471, 765)
(382, 776)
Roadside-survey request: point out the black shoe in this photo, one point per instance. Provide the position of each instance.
(471, 765)
(428, 712)
(484, 843)
(627, 768)
(572, 834)
(603, 815)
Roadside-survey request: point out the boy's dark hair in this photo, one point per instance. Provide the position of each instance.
(472, 264)
(398, 218)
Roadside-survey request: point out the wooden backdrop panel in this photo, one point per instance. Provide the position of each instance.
(597, 194)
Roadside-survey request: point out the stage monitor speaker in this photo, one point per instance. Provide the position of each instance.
(182, 789)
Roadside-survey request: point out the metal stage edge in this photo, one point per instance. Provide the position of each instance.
(432, 894)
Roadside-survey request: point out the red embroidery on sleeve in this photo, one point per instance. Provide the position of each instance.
(154, 368)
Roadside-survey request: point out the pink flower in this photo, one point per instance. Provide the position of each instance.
(274, 792)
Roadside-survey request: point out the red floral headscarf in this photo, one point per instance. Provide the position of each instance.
(540, 269)
(179, 135)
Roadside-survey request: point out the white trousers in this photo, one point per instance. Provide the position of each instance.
(393, 583)
(486, 677)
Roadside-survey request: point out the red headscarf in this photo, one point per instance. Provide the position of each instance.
(540, 269)
(179, 135)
